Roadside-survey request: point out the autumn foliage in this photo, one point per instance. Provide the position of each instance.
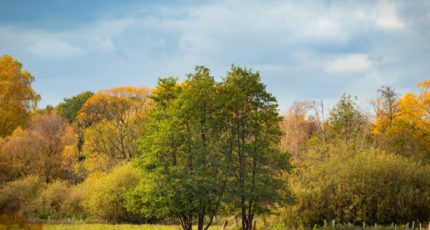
(187, 152)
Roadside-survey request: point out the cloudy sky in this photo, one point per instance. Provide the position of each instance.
(304, 50)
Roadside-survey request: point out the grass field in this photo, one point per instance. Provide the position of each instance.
(107, 227)
(113, 227)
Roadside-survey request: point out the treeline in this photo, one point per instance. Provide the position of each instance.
(194, 150)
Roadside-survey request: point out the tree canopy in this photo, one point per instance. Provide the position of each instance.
(17, 97)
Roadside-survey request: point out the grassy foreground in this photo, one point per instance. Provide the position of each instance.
(113, 227)
(108, 227)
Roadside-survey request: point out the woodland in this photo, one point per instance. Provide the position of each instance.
(192, 153)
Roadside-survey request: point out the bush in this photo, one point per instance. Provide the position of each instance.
(106, 194)
(51, 199)
(20, 195)
(72, 204)
(371, 186)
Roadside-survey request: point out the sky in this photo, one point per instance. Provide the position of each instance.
(304, 50)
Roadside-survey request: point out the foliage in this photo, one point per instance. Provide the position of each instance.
(105, 194)
(370, 185)
(347, 122)
(252, 124)
(20, 195)
(72, 205)
(297, 127)
(45, 148)
(199, 133)
(406, 132)
(181, 159)
(50, 200)
(109, 124)
(69, 108)
(17, 97)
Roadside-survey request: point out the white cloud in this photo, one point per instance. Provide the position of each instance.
(351, 63)
(54, 49)
(290, 42)
(103, 44)
(387, 17)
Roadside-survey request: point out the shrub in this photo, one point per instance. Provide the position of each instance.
(72, 203)
(371, 186)
(51, 199)
(20, 195)
(106, 194)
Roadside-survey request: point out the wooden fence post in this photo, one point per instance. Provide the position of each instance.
(224, 225)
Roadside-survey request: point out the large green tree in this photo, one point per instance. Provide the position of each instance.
(253, 125)
(182, 155)
(209, 144)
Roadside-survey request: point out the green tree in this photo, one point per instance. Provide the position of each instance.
(182, 157)
(346, 122)
(17, 97)
(70, 107)
(253, 126)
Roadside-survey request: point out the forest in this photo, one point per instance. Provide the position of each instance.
(197, 152)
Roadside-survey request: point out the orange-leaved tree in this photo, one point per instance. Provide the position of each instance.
(17, 97)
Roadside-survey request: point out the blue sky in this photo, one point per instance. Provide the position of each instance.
(304, 50)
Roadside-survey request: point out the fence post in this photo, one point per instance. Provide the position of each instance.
(364, 225)
(224, 225)
(333, 223)
(325, 224)
(413, 225)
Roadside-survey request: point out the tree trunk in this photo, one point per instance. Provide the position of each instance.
(201, 216)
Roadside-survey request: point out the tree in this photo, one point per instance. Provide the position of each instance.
(181, 154)
(70, 107)
(252, 122)
(17, 97)
(297, 128)
(386, 109)
(209, 144)
(346, 122)
(109, 124)
(405, 128)
(46, 148)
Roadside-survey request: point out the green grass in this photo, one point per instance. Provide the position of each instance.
(108, 227)
(113, 227)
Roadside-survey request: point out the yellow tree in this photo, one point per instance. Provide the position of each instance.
(408, 131)
(17, 97)
(110, 123)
